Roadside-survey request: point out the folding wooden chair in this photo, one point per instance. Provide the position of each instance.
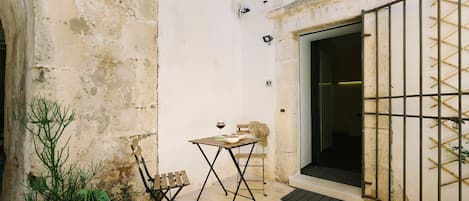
(161, 184)
(243, 129)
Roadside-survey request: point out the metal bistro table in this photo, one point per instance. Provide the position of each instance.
(211, 141)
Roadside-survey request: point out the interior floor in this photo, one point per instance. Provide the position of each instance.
(340, 163)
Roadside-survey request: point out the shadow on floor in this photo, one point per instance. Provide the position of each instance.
(302, 195)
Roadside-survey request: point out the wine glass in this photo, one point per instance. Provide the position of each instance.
(220, 125)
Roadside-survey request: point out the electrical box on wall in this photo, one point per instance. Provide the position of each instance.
(268, 83)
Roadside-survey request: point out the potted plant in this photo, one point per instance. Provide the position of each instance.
(62, 180)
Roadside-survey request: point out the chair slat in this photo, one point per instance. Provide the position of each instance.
(164, 181)
(171, 180)
(156, 182)
(178, 179)
(242, 125)
(185, 180)
(254, 155)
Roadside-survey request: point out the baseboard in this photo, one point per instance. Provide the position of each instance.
(328, 188)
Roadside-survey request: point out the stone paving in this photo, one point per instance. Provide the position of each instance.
(274, 191)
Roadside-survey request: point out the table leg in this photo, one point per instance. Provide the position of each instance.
(210, 171)
(241, 173)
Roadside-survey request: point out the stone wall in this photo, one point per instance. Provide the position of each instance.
(290, 21)
(100, 58)
(16, 19)
(314, 15)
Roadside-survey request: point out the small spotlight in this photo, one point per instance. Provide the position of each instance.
(245, 10)
(265, 1)
(267, 39)
(242, 11)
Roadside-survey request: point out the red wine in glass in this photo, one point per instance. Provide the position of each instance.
(220, 125)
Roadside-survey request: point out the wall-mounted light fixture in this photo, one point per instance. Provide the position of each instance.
(242, 11)
(265, 1)
(245, 10)
(268, 39)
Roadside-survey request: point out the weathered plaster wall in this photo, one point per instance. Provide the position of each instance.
(100, 57)
(16, 18)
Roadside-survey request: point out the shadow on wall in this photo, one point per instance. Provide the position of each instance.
(2, 95)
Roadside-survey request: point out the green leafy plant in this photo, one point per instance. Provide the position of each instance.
(62, 181)
(93, 195)
(464, 152)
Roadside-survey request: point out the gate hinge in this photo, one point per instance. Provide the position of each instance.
(365, 35)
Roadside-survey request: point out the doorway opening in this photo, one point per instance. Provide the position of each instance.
(2, 101)
(331, 105)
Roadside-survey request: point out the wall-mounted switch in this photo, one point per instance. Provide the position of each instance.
(268, 83)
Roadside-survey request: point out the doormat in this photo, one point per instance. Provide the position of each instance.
(302, 195)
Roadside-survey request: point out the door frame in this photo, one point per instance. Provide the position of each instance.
(308, 39)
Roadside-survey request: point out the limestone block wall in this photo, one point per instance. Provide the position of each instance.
(310, 15)
(100, 58)
(290, 21)
(16, 18)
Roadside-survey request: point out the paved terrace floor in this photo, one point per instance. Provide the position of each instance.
(275, 191)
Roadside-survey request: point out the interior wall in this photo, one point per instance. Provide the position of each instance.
(326, 95)
(347, 98)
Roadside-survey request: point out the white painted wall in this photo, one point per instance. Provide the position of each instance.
(258, 67)
(200, 81)
(430, 182)
(212, 66)
(279, 3)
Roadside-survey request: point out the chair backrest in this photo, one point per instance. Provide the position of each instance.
(244, 129)
(142, 167)
(256, 129)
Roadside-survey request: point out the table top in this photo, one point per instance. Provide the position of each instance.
(212, 141)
